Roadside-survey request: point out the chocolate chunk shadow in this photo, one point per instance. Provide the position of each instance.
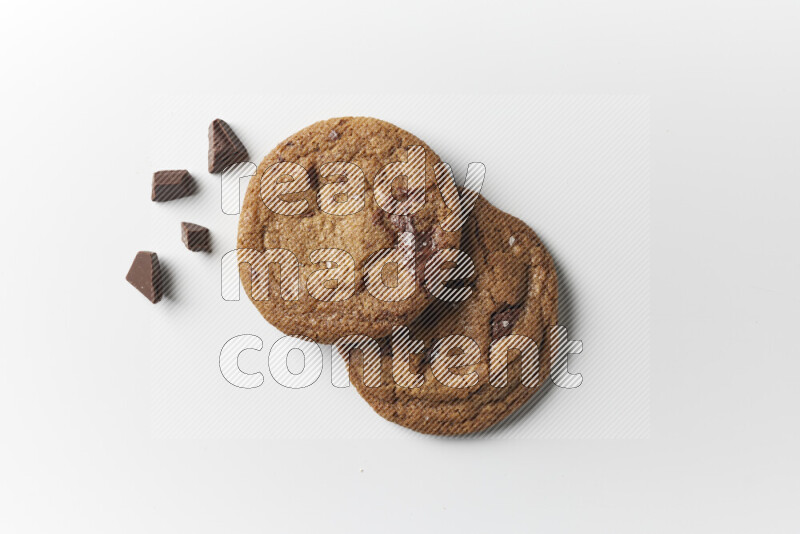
(167, 281)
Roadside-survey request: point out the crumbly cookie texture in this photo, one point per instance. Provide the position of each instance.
(370, 144)
(514, 291)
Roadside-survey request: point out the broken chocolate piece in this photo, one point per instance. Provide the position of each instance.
(224, 148)
(196, 237)
(145, 275)
(503, 320)
(169, 185)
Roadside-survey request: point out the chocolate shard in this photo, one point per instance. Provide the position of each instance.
(502, 321)
(224, 148)
(145, 275)
(169, 185)
(196, 237)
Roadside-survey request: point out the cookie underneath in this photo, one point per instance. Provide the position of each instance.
(514, 292)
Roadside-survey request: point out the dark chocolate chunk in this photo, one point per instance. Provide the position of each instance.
(313, 177)
(427, 245)
(145, 275)
(196, 237)
(224, 148)
(169, 185)
(503, 320)
(401, 223)
(459, 283)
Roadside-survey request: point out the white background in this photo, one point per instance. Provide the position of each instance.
(79, 452)
(576, 168)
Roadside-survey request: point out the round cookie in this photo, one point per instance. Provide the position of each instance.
(331, 152)
(514, 291)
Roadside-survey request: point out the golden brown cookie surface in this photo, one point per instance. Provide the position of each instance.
(335, 156)
(513, 298)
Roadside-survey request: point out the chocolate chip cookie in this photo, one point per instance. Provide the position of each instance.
(322, 205)
(450, 385)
